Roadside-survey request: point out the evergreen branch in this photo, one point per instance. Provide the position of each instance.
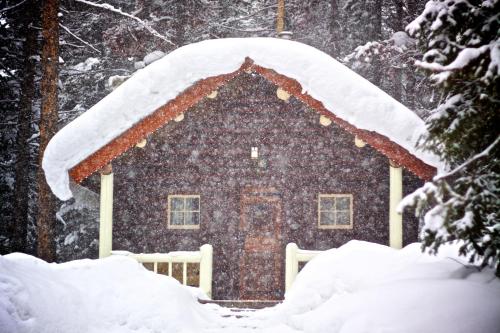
(476, 157)
(135, 18)
(81, 40)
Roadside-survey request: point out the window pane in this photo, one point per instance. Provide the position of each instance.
(327, 203)
(192, 203)
(343, 203)
(344, 218)
(327, 218)
(192, 218)
(176, 218)
(177, 204)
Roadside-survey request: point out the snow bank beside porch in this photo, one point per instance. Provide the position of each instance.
(364, 287)
(92, 296)
(343, 92)
(358, 288)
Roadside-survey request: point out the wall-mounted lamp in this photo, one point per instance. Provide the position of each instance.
(254, 153)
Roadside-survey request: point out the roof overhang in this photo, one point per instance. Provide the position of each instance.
(168, 87)
(190, 97)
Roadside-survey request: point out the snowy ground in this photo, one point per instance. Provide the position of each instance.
(360, 287)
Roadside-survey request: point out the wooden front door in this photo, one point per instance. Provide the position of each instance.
(261, 260)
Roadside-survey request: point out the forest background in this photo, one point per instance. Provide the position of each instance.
(99, 43)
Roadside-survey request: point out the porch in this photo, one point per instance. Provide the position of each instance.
(169, 264)
(195, 268)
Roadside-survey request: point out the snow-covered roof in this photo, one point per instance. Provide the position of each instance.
(342, 92)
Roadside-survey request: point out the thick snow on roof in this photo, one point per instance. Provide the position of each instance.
(341, 91)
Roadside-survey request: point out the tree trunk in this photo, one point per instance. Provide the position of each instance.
(413, 9)
(20, 227)
(398, 26)
(376, 35)
(376, 12)
(181, 22)
(280, 17)
(335, 28)
(48, 127)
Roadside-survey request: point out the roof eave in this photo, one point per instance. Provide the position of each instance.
(191, 96)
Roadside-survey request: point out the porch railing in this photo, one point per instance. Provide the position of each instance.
(203, 257)
(293, 257)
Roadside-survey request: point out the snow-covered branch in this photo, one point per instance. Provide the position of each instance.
(81, 40)
(463, 59)
(8, 72)
(231, 20)
(244, 30)
(135, 18)
(12, 7)
(482, 154)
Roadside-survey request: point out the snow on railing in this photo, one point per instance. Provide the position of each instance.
(203, 257)
(294, 255)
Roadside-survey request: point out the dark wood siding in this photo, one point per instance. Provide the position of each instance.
(410, 221)
(208, 153)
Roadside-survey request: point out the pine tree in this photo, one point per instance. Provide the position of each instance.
(461, 41)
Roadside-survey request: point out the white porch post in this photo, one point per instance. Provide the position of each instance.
(291, 264)
(206, 252)
(395, 197)
(106, 212)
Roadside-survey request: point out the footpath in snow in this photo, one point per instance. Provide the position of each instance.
(357, 288)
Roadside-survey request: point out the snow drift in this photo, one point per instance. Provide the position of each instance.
(358, 288)
(365, 287)
(115, 294)
(341, 91)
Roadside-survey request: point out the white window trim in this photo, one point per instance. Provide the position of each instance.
(183, 227)
(335, 226)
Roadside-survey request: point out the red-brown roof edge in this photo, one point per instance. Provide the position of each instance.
(191, 96)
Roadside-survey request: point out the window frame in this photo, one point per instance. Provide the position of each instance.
(336, 226)
(184, 211)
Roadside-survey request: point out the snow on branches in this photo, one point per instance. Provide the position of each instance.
(395, 57)
(451, 47)
(461, 44)
(133, 17)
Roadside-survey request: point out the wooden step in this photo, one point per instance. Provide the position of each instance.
(241, 304)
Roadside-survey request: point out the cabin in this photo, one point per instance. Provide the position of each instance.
(247, 145)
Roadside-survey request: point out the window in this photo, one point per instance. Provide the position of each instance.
(335, 211)
(183, 211)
